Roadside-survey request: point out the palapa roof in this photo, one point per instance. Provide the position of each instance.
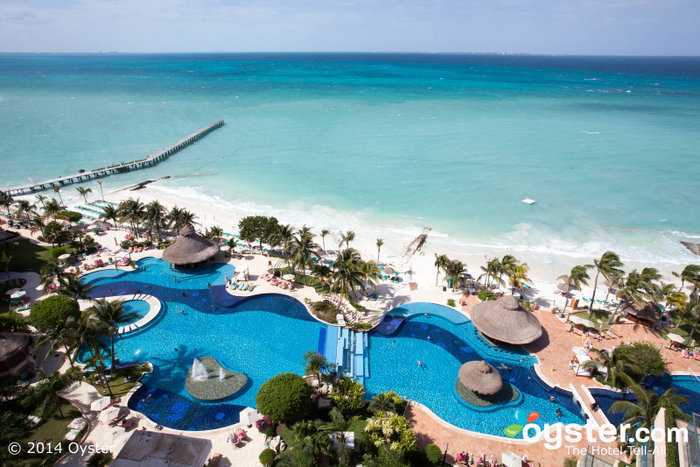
(505, 321)
(648, 310)
(480, 377)
(190, 248)
(12, 344)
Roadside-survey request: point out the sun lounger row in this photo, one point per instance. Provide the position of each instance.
(242, 286)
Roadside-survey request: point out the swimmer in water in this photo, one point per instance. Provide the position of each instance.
(420, 363)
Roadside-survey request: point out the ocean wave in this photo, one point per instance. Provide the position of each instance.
(529, 242)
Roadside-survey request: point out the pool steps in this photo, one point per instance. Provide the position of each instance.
(351, 354)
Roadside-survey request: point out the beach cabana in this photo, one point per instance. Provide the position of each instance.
(647, 314)
(504, 320)
(190, 250)
(480, 377)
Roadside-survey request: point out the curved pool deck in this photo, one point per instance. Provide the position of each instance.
(199, 316)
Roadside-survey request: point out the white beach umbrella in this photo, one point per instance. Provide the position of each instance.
(248, 415)
(224, 248)
(675, 337)
(288, 277)
(64, 257)
(100, 403)
(108, 414)
(11, 291)
(18, 294)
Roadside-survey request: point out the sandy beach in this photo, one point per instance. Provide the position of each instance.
(418, 268)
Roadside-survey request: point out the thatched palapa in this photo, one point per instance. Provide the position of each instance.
(505, 321)
(190, 249)
(480, 377)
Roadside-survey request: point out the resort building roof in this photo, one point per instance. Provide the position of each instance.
(190, 249)
(480, 377)
(162, 449)
(506, 321)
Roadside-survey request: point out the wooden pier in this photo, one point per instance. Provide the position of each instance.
(122, 167)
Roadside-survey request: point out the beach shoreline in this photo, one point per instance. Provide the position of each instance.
(419, 268)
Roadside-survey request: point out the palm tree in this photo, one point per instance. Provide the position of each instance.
(517, 273)
(690, 273)
(52, 207)
(132, 210)
(215, 232)
(491, 270)
(316, 364)
(505, 266)
(110, 314)
(6, 200)
(53, 232)
(51, 272)
(57, 190)
(23, 207)
(45, 394)
(441, 262)
(635, 288)
(84, 192)
(693, 309)
(380, 242)
(607, 359)
(346, 238)
(645, 410)
(324, 232)
(303, 247)
(322, 272)
(102, 194)
(609, 266)
(76, 289)
(454, 271)
(155, 216)
(575, 279)
(97, 356)
(110, 213)
(678, 300)
(371, 272)
(6, 250)
(346, 273)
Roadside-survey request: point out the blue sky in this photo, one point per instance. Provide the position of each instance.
(594, 27)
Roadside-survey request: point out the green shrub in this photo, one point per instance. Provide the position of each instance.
(387, 402)
(526, 305)
(451, 302)
(571, 461)
(360, 326)
(325, 310)
(52, 312)
(100, 459)
(671, 446)
(58, 251)
(433, 454)
(72, 216)
(284, 397)
(391, 430)
(347, 395)
(267, 456)
(484, 295)
(639, 360)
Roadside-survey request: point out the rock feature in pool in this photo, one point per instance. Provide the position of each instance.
(218, 384)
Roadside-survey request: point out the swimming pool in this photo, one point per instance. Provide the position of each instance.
(208, 322)
(687, 386)
(139, 307)
(265, 335)
(443, 346)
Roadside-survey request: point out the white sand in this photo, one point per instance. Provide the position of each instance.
(419, 268)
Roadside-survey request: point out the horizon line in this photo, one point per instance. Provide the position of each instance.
(526, 54)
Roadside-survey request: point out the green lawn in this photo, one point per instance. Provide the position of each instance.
(56, 427)
(123, 381)
(599, 317)
(27, 256)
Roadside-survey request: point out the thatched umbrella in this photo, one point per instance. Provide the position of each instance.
(504, 320)
(566, 288)
(190, 248)
(480, 377)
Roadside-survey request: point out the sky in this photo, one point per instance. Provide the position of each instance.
(576, 27)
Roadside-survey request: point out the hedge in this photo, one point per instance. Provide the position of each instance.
(71, 215)
(284, 397)
(433, 454)
(52, 312)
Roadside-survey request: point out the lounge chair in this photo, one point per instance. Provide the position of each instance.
(251, 287)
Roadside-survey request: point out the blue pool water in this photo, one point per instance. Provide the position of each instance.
(686, 386)
(443, 346)
(213, 324)
(262, 336)
(139, 307)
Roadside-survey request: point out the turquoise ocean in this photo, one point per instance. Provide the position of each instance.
(608, 146)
